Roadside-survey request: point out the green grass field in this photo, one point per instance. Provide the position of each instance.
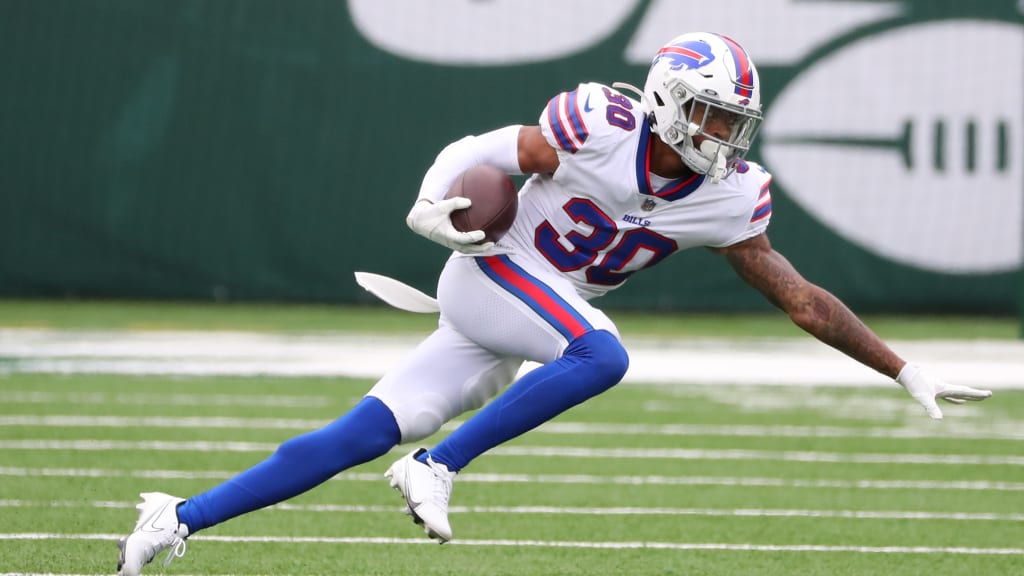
(292, 318)
(643, 480)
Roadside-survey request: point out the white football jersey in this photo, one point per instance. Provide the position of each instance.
(603, 215)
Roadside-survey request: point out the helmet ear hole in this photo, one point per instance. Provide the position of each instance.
(657, 98)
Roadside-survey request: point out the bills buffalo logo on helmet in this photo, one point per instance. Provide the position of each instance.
(690, 54)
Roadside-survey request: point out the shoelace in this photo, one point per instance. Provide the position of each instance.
(178, 547)
(442, 489)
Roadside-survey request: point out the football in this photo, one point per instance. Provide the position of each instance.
(495, 202)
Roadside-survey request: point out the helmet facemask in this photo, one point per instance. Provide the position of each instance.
(726, 131)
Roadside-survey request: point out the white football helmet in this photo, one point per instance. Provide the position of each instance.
(704, 85)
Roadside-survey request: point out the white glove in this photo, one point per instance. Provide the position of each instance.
(432, 220)
(926, 387)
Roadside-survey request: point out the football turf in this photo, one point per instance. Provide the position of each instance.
(305, 318)
(643, 480)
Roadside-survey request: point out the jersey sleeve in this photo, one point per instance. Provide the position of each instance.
(567, 119)
(755, 220)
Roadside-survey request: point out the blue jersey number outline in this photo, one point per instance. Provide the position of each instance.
(617, 113)
(587, 247)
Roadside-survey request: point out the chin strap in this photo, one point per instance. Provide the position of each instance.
(710, 149)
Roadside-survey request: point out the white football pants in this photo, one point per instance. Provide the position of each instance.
(494, 315)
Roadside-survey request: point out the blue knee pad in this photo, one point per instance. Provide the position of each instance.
(597, 361)
(591, 364)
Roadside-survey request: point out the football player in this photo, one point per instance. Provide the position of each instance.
(618, 183)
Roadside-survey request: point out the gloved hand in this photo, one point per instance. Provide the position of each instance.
(432, 220)
(926, 387)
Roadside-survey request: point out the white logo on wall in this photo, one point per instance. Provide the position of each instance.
(496, 32)
(907, 143)
(512, 32)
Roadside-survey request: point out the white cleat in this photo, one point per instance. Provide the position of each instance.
(426, 489)
(158, 528)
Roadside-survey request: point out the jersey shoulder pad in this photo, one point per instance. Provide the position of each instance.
(750, 185)
(572, 118)
(756, 181)
(749, 173)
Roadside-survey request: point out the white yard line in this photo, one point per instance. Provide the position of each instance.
(550, 451)
(969, 431)
(101, 574)
(995, 364)
(587, 511)
(560, 544)
(170, 399)
(569, 479)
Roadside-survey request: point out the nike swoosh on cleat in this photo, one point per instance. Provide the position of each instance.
(586, 104)
(413, 504)
(149, 526)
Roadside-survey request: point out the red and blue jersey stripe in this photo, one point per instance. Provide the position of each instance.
(566, 122)
(535, 294)
(763, 208)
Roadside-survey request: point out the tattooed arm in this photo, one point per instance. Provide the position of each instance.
(829, 320)
(809, 306)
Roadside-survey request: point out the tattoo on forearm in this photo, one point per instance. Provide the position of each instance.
(813, 308)
(822, 311)
(844, 331)
(757, 269)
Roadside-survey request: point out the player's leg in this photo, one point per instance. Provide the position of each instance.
(444, 376)
(591, 364)
(450, 376)
(500, 306)
(366, 432)
(576, 343)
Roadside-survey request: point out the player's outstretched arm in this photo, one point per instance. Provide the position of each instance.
(825, 317)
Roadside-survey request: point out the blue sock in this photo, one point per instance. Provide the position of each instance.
(367, 431)
(590, 365)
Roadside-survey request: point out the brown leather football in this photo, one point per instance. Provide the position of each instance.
(495, 201)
